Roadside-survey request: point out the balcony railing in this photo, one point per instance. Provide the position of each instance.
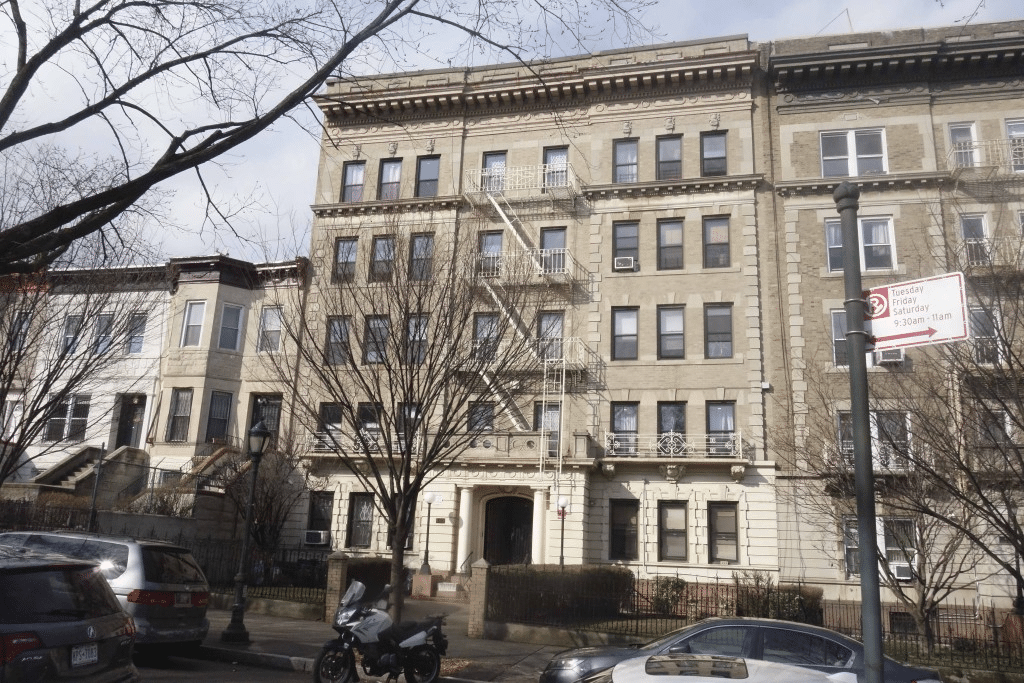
(570, 350)
(513, 181)
(552, 265)
(1006, 155)
(994, 252)
(364, 441)
(674, 445)
(884, 457)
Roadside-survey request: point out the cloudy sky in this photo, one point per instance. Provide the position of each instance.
(280, 167)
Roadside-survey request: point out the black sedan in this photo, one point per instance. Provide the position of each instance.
(765, 639)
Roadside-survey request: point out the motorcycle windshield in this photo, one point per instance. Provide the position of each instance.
(353, 595)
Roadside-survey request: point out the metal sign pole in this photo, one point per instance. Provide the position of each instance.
(846, 196)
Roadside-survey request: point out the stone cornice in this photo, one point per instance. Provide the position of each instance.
(888, 182)
(446, 203)
(726, 183)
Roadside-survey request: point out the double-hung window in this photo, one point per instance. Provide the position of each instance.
(378, 330)
(493, 177)
(270, 329)
(179, 414)
(890, 439)
(670, 157)
(328, 428)
(552, 250)
(716, 242)
(713, 154)
(485, 336)
(480, 417)
(625, 426)
(672, 428)
(390, 179)
(671, 328)
(360, 520)
(421, 257)
(104, 333)
(1015, 134)
(624, 333)
(219, 417)
(354, 175)
(192, 325)
(878, 251)
(853, 153)
(416, 340)
(556, 167)
(961, 139)
(136, 333)
(18, 333)
(72, 332)
(625, 162)
(721, 423)
(547, 419)
(984, 336)
(69, 419)
(550, 328)
(321, 507)
(336, 351)
(626, 241)
(230, 327)
(428, 170)
(670, 244)
(491, 246)
(977, 247)
(723, 533)
(345, 259)
(623, 529)
(718, 331)
(671, 530)
(382, 260)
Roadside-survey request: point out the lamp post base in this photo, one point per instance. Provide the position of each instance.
(235, 633)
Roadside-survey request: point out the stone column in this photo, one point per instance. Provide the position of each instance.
(478, 599)
(540, 498)
(465, 529)
(337, 580)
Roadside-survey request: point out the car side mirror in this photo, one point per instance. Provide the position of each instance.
(679, 649)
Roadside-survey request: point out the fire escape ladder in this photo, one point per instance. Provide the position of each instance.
(515, 225)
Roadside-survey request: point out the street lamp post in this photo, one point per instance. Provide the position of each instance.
(563, 503)
(259, 437)
(430, 499)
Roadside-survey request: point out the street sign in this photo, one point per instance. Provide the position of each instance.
(932, 310)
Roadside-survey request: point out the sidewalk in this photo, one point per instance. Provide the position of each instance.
(293, 644)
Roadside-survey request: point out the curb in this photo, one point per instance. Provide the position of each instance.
(264, 660)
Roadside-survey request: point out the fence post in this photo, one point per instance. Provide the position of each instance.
(337, 577)
(478, 598)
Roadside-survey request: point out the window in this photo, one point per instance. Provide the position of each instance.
(354, 175)
(840, 356)
(491, 246)
(382, 260)
(136, 333)
(270, 329)
(428, 169)
(626, 241)
(976, 246)
(336, 349)
(18, 334)
(625, 422)
(877, 251)
(556, 167)
(390, 179)
(625, 164)
(852, 153)
(485, 336)
(672, 428)
(192, 325)
(72, 331)
(345, 259)
(623, 528)
(723, 539)
(69, 419)
(550, 325)
(230, 327)
(1015, 134)
(11, 411)
(104, 333)
(321, 506)
(721, 421)
(266, 408)
(712, 154)
(728, 641)
(180, 412)
(900, 545)
(493, 178)
(716, 242)
(421, 257)
(328, 427)
(851, 546)
(378, 329)
(217, 420)
(416, 340)
(983, 336)
(670, 332)
(961, 138)
(368, 423)
(671, 531)
(670, 157)
(480, 417)
(786, 646)
(890, 439)
(670, 245)
(408, 424)
(547, 418)
(360, 520)
(552, 249)
(993, 427)
(624, 333)
(718, 331)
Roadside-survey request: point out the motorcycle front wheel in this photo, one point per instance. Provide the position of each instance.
(422, 665)
(333, 666)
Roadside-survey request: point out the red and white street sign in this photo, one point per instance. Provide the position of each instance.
(932, 310)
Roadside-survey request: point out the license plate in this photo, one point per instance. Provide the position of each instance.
(83, 655)
(182, 599)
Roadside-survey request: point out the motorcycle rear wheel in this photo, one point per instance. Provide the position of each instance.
(422, 665)
(333, 666)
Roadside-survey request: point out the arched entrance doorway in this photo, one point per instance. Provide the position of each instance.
(508, 530)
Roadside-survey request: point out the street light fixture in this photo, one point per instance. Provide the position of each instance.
(563, 503)
(429, 499)
(259, 438)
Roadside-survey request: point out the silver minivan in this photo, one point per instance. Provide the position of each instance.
(159, 584)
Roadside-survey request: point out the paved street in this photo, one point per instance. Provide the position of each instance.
(158, 670)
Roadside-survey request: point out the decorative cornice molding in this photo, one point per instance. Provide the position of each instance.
(446, 203)
(673, 187)
(888, 182)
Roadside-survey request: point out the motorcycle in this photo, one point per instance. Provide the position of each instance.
(385, 648)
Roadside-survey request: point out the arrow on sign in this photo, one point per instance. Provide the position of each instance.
(907, 335)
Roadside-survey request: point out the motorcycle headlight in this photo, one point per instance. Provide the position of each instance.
(344, 616)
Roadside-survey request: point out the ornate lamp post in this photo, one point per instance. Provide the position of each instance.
(430, 499)
(259, 437)
(563, 503)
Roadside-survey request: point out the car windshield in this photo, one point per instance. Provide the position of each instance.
(55, 594)
(112, 557)
(171, 565)
(664, 640)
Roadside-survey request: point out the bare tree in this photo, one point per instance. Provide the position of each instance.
(410, 358)
(145, 91)
(64, 335)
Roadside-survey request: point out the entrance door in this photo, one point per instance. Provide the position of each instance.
(508, 535)
(129, 423)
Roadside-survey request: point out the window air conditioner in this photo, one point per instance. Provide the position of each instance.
(624, 263)
(889, 357)
(318, 537)
(902, 572)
